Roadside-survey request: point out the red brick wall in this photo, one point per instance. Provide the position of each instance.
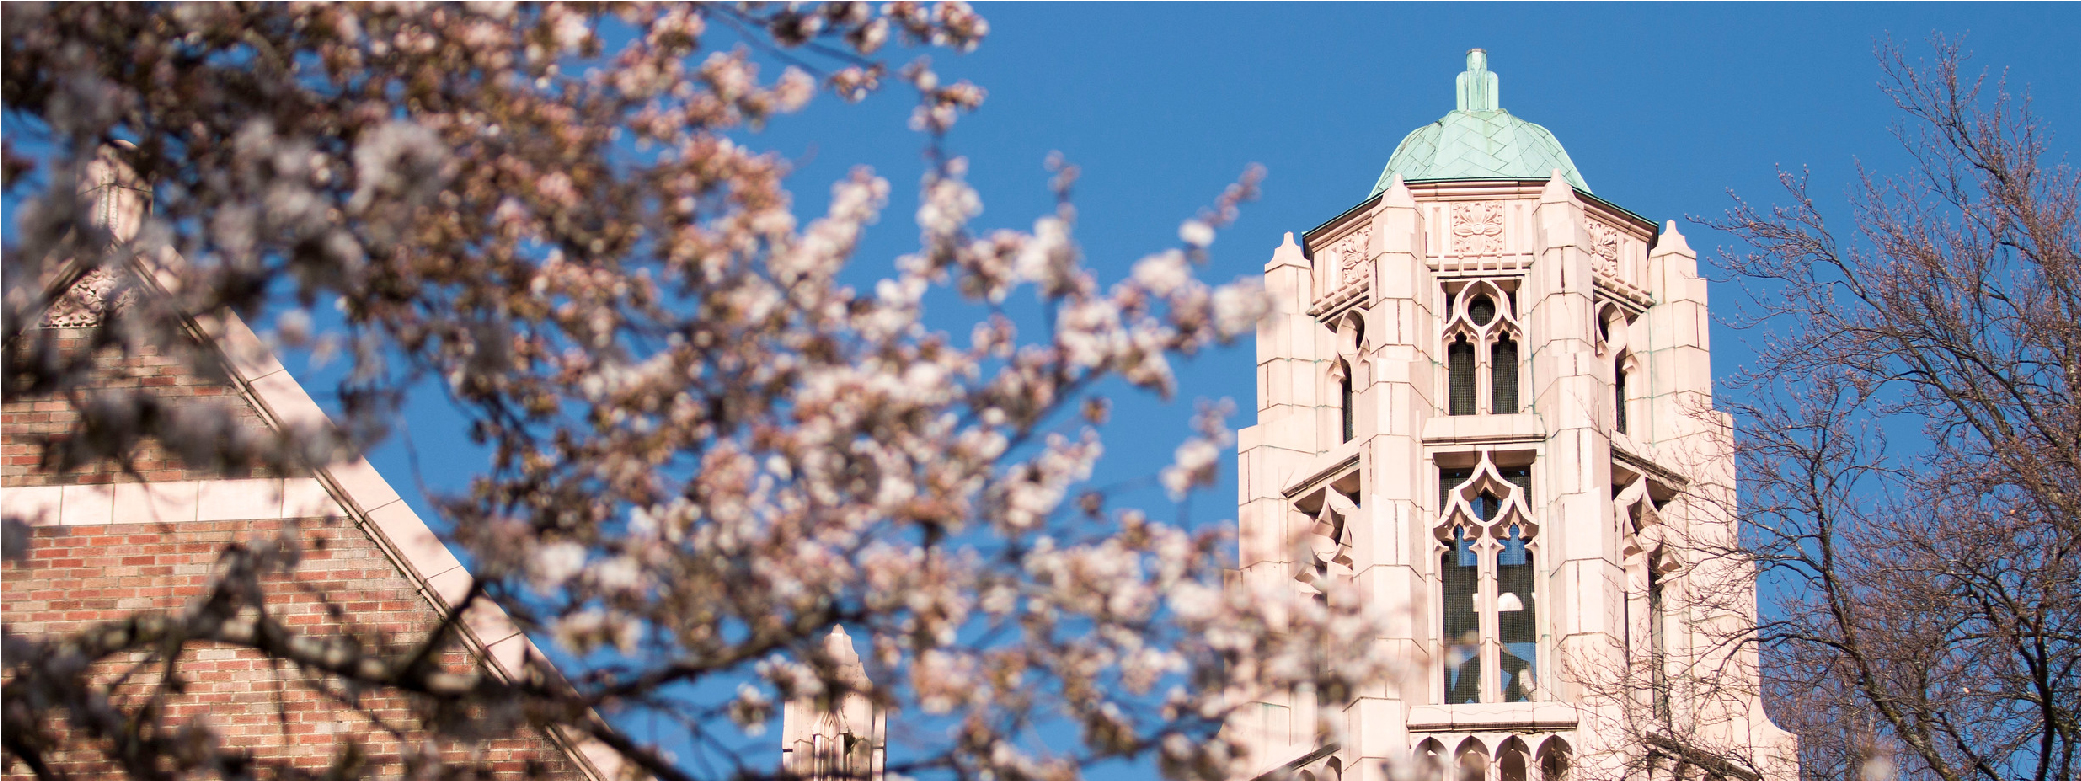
(25, 422)
(75, 576)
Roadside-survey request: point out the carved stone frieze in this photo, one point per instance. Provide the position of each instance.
(87, 301)
(1351, 252)
(1604, 248)
(1477, 228)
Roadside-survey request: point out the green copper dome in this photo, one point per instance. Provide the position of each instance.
(1479, 140)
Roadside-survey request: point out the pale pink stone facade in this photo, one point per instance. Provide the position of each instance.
(1584, 291)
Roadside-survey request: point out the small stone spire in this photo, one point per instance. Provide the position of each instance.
(1288, 254)
(1478, 87)
(835, 736)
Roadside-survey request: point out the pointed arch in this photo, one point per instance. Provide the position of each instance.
(1511, 493)
(1430, 760)
(1482, 341)
(1489, 625)
(1459, 370)
(1471, 760)
(1503, 362)
(1513, 761)
(1347, 401)
(1556, 760)
(1622, 371)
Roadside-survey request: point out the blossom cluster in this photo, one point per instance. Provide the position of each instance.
(707, 449)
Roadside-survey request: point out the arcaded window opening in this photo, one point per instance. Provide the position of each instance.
(1459, 360)
(1651, 566)
(1351, 349)
(1347, 405)
(1481, 339)
(1613, 327)
(1332, 508)
(1503, 374)
(1555, 760)
(1489, 629)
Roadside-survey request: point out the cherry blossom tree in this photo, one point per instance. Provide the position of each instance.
(707, 450)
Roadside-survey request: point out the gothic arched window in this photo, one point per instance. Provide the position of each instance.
(1487, 577)
(1481, 338)
(1344, 368)
(1612, 336)
(1513, 761)
(1346, 405)
(1618, 395)
(1554, 759)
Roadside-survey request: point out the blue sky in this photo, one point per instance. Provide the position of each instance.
(1664, 108)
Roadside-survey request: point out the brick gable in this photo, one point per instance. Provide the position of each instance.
(107, 543)
(77, 576)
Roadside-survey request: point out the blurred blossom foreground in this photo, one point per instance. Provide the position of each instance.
(1487, 528)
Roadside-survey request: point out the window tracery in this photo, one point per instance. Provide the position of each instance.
(1487, 559)
(1481, 338)
(1613, 325)
(1649, 563)
(1514, 758)
(1351, 346)
(1326, 547)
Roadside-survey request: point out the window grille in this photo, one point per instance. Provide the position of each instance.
(1462, 574)
(1447, 480)
(1503, 371)
(1460, 365)
(1488, 613)
(1520, 476)
(1481, 310)
(1618, 394)
(1656, 661)
(1347, 407)
(1516, 617)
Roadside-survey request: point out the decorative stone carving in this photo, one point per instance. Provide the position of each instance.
(1350, 253)
(87, 301)
(1477, 228)
(1604, 248)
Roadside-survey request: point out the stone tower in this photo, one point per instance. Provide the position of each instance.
(1486, 395)
(840, 735)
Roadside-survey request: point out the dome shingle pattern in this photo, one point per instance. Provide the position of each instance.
(1479, 140)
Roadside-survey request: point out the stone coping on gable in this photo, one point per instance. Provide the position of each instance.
(185, 501)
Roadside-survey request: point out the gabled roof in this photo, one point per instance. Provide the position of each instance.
(353, 490)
